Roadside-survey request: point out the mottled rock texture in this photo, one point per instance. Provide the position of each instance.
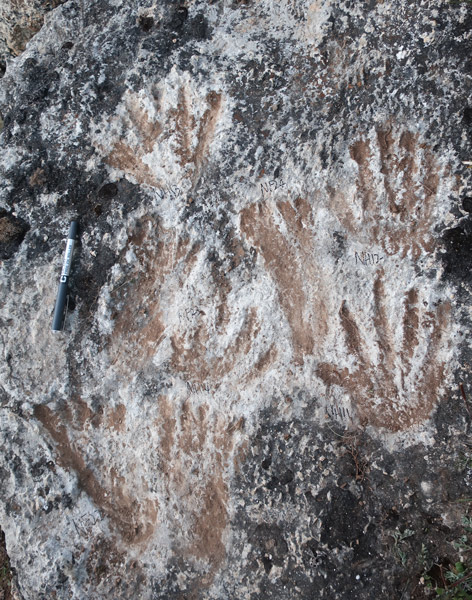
(19, 21)
(263, 389)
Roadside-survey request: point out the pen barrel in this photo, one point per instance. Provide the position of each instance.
(67, 258)
(60, 305)
(58, 318)
(73, 230)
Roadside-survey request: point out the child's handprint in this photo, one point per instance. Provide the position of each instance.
(211, 341)
(290, 256)
(401, 387)
(196, 449)
(145, 126)
(400, 217)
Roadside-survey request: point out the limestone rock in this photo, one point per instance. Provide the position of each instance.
(19, 21)
(263, 381)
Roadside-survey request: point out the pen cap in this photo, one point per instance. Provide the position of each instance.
(73, 230)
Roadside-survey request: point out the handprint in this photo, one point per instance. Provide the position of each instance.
(201, 348)
(196, 447)
(400, 218)
(147, 125)
(132, 512)
(402, 385)
(284, 234)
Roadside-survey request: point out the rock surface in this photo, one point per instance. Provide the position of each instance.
(262, 388)
(19, 21)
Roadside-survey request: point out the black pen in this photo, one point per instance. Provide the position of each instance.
(58, 318)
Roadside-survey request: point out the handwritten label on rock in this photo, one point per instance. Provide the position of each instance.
(169, 191)
(84, 524)
(272, 186)
(368, 258)
(339, 412)
(187, 315)
(194, 388)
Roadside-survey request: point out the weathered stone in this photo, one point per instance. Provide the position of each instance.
(19, 21)
(263, 383)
